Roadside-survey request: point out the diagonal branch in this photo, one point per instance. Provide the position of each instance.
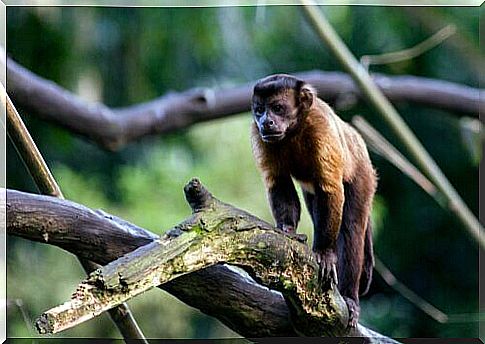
(390, 115)
(103, 238)
(221, 291)
(113, 128)
(216, 232)
(377, 143)
(38, 169)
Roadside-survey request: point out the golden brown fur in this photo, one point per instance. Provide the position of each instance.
(324, 152)
(329, 159)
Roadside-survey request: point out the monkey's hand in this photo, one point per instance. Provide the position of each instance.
(327, 259)
(289, 229)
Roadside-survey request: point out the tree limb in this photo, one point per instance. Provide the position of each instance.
(215, 233)
(45, 182)
(113, 128)
(102, 238)
(239, 238)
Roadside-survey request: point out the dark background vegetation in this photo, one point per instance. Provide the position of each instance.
(122, 56)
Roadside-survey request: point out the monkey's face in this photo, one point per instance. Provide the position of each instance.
(279, 103)
(275, 115)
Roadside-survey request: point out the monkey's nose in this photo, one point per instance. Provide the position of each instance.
(269, 124)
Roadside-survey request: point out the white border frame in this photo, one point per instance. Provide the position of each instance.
(176, 3)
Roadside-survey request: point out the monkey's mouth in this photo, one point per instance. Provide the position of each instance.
(272, 137)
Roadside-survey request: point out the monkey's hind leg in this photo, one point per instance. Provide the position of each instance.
(350, 249)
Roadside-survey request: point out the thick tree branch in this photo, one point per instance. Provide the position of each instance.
(215, 233)
(219, 288)
(103, 238)
(112, 128)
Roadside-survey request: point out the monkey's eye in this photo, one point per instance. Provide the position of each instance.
(277, 108)
(259, 109)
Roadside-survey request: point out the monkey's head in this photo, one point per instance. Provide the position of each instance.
(279, 102)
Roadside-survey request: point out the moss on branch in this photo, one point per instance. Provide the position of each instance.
(215, 233)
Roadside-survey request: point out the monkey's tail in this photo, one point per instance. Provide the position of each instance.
(368, 265)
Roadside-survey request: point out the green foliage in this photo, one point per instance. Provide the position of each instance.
(123, 56)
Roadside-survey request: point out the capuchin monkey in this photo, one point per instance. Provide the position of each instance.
(297, 135)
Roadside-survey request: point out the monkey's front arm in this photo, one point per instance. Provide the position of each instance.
(284, 203)
(327, 209)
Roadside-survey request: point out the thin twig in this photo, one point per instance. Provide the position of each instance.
(381, 146)
(389, 114)
(38, 169)
(418, 301)
(384, 148)
(410, 53)
(414, 298)
(432, 19)
(28, 151)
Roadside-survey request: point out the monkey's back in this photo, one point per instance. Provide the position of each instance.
(356, 158)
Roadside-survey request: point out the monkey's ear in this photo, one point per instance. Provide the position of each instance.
(307, 96)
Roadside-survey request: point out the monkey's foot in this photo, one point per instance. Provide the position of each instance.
(327, 260)
(354, 311)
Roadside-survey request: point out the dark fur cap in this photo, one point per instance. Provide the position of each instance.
(273, 84)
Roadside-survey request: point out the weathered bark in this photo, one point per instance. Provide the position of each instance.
(92, 234)
(89, 234)
(113, 128)
(215, 233)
